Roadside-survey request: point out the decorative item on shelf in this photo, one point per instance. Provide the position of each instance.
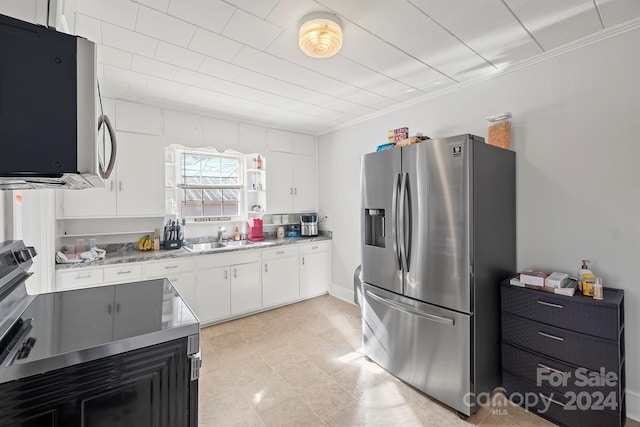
(320, 35)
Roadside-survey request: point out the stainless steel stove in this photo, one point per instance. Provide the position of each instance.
(95, 356)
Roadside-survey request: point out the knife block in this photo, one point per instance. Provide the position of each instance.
(172, 244)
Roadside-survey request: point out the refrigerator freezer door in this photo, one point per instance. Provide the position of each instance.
(380, 187)
(438, 201)
(426, 346)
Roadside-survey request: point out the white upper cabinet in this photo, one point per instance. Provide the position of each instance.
(292, 182)
(181, 125)
(132, 117)
(135, 187)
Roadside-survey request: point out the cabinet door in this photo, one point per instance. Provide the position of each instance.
(185, 285)
(315, 274)
(245, 287)
(92, 202)
(280, 282)
(213, 294)
(140, 175)
(279, 182)
(137, 311)
(304, 183)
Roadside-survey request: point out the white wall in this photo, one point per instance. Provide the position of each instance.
(575, 132)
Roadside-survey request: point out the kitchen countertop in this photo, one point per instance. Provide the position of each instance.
(134, 255)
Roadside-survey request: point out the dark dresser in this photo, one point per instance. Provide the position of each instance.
(563, 357)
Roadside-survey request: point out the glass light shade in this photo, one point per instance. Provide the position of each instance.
(320, 37)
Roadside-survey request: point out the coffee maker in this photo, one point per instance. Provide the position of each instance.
(309, 225)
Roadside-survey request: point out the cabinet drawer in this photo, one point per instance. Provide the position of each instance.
(168, 268)
(225, 259)
(577, 349)
(562, 409)
(123, 273)
(577, 313)
(309, 248)
(547, 371)
(279, 252)
(79, 278)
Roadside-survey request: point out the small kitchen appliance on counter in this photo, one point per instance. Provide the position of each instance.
(107, 355)
(255, 230)
(309, 225)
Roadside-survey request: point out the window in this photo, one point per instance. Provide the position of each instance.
(211, 184)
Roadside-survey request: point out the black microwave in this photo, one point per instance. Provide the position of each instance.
(50, 111)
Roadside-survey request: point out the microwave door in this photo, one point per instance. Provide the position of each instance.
(380, 185)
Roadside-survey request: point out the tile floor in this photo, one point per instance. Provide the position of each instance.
(300, 365)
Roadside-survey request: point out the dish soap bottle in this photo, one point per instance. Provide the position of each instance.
(585, 273)
(236, 234)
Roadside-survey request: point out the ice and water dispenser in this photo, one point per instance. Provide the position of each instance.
(374, 227)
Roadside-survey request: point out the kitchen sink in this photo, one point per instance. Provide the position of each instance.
(236, 243)
(198, 247)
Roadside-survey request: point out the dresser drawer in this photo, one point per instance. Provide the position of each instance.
(123, 273)
(571, 347)
(589, 317)
(562, 408)
(555, 374)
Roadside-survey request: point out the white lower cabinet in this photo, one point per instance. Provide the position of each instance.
(213, 294)
(180, 274)
(315, 268)
(246, 292)
(280, 282)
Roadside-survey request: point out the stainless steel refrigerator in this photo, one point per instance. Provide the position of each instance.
(438, 236)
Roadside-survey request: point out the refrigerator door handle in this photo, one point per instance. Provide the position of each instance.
(408, 227)
(394, 221)
(410, 310)
(402, 226)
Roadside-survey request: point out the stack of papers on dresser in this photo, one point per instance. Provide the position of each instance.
(557, 283)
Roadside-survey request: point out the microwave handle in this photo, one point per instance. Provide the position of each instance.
(105, 173)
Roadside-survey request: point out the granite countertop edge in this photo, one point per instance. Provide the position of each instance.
(132, 255)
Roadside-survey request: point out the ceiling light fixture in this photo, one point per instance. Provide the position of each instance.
(320, 34)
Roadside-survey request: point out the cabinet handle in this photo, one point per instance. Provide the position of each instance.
(169, 267)
(235, 272)
(280, 252)
(266, 269)
(548, 304)
(302, 260)
(124, 272)
(226, 276)
(84, 276)
(120, 186)
(291, 191)
(551, 369)
(111, 185)
(553, 337)
(314, 247)
(109, 308)
(551, 400)
(118, 308)
(295, 191)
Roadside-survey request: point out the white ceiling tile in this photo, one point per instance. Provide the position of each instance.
(127, 40)
(112, 56)
(252, 31)
(288, 13)
(116, 12)
(161, 5)
(177, 55)
(256, 60)
(127, 76)
(193, 78)
(88, 27)
(214, 45)
(616, 12)
(113, 88)
(209, 14)
(164, 27)
(233, 89)
(555, 23)
(166, 85)
(200, 93)
(259, 8)
(220, 69)
(152, 67)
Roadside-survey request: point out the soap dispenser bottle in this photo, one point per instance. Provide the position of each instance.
(236, 234)
(585, 273)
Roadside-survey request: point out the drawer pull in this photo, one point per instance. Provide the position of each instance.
(551, 400)
(548, 304)
(169, 267)
(314, 247)
(553, 337)
(84, 276)
(280, 252)
(551, 369)
(125, 272)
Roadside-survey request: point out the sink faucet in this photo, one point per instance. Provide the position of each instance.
(221, 231)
